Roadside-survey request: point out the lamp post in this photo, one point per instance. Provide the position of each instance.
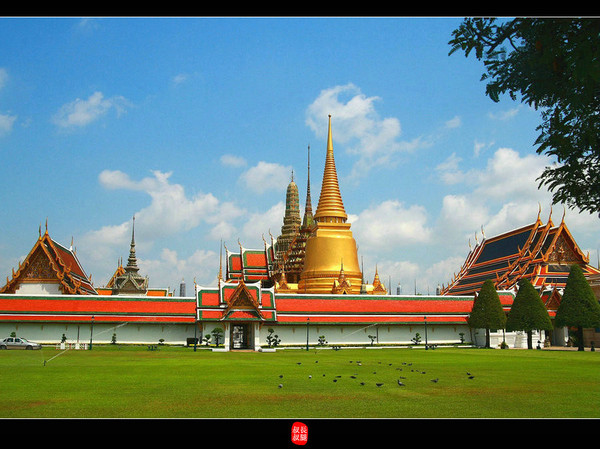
(91, 332)
(426, 333)
(307, 321)
(195, 330)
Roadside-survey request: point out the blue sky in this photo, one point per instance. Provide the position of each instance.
(194, 126)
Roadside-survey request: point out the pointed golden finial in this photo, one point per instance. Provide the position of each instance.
(220, 275)
(331, 206)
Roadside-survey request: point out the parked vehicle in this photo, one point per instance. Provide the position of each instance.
(18, 343)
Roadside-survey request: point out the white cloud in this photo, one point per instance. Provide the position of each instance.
(6, 120)
(357, 125)
(6, 123)
(170, 211)
(180, 78)
(169, 269)
(231, 160)
(390, 225)
(83, 112)
(259, 224)
(266, 176)
(454, 122)
(449, 172)
(505, 115)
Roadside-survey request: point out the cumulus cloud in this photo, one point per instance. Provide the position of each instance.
(170, 211)
(390, 224)
(266, 176)
(170, 268)
(260, 224)
(80, 112)
(501, 196)
(373, 140)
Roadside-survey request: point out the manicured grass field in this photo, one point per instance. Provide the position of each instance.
(176, 382)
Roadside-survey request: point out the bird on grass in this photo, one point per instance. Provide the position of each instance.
(400, 384)
(280, 386)
(434, 380)
(471, 377)
(379, 384)
(281, 376)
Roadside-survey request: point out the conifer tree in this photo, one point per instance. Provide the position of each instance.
(579, 307)
(528, 312)
(487, 312)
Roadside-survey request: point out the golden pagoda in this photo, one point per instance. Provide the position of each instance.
(331, 252)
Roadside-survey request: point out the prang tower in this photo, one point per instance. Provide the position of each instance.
(331, 258)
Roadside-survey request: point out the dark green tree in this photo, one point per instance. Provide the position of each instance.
(553, 64)
(217, 332)
(487, 312)
(528, 312)
(578, 307)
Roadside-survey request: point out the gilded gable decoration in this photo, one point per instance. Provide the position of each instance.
(50, 266)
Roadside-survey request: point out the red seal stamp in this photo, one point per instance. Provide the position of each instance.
(299, 433)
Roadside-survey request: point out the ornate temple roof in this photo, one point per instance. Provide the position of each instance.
(236, 301)
(49, 262)
(542, 253)
(128, 281)
(250, 265)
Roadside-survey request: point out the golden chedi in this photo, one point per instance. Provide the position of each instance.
(331, 249)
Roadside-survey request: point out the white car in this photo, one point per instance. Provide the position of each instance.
(18, 343)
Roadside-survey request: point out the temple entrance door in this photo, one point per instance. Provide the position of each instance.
(240, 336)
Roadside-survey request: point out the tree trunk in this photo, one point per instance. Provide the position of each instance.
(529, 340)
(487, 338)
(580, 338)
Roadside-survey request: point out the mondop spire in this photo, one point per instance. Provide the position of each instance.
(331, 251)
(331, 206)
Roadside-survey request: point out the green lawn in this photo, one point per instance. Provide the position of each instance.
(176, 382)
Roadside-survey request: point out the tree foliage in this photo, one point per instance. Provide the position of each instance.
(528, 312)
(487, 312)
(553, 64)
(578, 306)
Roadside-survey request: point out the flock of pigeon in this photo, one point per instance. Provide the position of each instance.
(404, 365)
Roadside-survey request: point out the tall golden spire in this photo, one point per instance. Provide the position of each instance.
(331, 240)
(331, 206)
(308, 219)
